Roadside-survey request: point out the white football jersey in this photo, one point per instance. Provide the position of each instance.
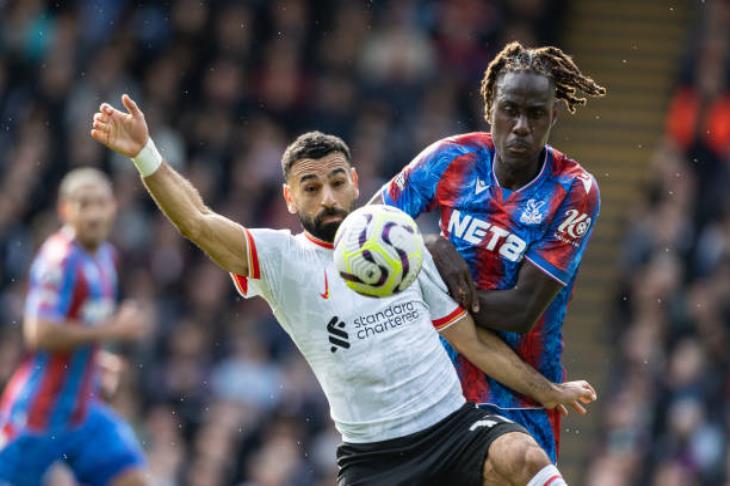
(379, 361)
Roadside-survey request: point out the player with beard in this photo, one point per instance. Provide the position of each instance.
(516, 215)
(393, 394)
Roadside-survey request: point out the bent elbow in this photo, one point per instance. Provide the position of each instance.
(187, 231)
(190, 229)
(527, 322)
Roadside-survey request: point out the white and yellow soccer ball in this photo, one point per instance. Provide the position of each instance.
(378, 250)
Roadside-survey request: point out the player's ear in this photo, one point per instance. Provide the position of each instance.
(114, 207)
(290, 206)
(63, 209)
(555, 114)
(355, 181)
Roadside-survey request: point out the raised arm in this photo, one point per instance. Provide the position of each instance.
(494, 357)
(220, 238)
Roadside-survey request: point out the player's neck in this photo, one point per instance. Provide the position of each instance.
(88, 247)
(514, 174)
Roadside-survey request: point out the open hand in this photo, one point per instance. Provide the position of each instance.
(124, 133)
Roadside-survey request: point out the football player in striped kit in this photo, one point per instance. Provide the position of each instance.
(50, 409)
(516, 215)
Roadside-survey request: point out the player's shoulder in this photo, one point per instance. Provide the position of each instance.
(58, 249)
(472, 140)
(271, 241)
(449, 148)
(574, 178)
(55, 258)
(270, 233)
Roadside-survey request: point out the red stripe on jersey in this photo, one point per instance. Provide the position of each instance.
(444, 322)
(530, 349)
(82, 402)
(255, 271)
(451, 184)
(318, 242)
(16, 383)
(48, 390)
(57, 370)
(490, 266)
(473, 380)
(241, 283)
(552, 478)
(7, 433)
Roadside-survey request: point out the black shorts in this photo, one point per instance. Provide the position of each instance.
(450, 452)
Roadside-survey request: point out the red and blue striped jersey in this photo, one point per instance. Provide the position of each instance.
(67, 286)
(547, 222)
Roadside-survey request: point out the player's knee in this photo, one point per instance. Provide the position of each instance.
(516, 456)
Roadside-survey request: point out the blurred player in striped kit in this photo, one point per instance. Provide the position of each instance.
(49, 410)
(515, 216)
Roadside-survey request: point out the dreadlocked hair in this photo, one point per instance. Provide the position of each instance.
(571, 85)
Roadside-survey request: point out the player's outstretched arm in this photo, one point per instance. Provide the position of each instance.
(128, 324)
(494, 357)
(127, 133)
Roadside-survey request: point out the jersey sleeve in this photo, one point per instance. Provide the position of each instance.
(413, 189)
(51, 288)
(443, 309)
(266, 254)
(560, 251)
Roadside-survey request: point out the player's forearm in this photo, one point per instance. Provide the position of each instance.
(178, 199)
(494, 357)
(59, 337)
(504, 310)
(220, 238)
(500, 362)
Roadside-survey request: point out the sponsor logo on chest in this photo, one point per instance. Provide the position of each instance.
(370, 325)
(532, 213)
(486, 235)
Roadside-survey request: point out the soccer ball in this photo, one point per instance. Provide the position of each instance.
(378, 250)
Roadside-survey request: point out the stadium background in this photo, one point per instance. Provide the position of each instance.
(218, 394)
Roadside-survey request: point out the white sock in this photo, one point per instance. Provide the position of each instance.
(548, 476)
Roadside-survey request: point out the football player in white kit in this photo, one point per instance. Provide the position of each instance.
(393, 392)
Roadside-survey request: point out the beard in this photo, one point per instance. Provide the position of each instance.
(324, 231)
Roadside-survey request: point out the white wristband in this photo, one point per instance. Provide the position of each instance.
(148, 160)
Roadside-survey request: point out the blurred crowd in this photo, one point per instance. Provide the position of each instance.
(667, 421)
(218, 394)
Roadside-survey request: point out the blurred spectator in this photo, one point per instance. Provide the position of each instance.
(671, 393)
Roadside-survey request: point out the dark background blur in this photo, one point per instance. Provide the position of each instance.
(218, 394)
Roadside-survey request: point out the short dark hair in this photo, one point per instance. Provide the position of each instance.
(312, 145)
